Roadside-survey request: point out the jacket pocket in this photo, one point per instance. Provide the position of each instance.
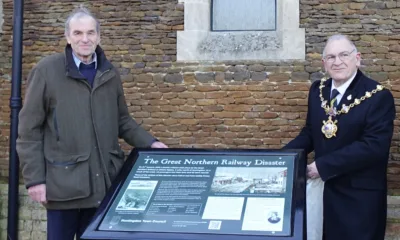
(368, 184)
(116, 162)
(68, 178)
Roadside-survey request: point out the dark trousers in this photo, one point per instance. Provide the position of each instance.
(65, 224)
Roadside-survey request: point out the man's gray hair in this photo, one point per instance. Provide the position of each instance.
(79, 12)
(338, 37)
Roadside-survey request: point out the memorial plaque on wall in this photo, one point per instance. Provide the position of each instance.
(201, 194)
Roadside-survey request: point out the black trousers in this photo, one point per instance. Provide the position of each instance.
(65, 224)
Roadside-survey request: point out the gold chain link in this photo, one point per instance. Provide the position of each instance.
(346, 109)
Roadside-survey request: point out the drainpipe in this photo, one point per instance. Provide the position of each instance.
(15, 105)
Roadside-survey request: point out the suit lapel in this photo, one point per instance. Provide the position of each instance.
(326, 91)
(326, 94)
(322, 116)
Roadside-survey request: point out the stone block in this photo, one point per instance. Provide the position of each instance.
(289, 115)
(215, 95)
(300, 76)
(379, 76)
(295, 95)
(205, 102)
(258, 76)
(394, 48)
(356, 6)
(241, 76)
(268, 115)
(256, 67)
(189, 115)
(390, 68)
(376, 5)
(27, 235)
(239, 94)
(25, 214)
(173, 78)
(205, 77)
(207, 88)
(279, 77)
(36, 235)
(237, 108)
(224, 115)
(3, 224)
(316, 76)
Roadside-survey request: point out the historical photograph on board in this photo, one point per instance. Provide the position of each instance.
(249, 180)
(264, 214)
(137, 195)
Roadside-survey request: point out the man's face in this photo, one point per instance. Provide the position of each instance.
(341, 60)
(83, 36)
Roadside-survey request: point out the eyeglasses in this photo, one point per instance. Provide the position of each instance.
(343, 56)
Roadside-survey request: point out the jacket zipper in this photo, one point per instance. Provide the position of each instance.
(104, 168)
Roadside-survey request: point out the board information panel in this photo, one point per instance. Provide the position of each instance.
(198, 194)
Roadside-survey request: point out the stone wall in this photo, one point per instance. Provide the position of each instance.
(32, 216)
(259, 104)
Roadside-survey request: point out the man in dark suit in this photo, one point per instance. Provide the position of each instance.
(349, 126)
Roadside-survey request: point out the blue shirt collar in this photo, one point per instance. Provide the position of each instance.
(78, 61)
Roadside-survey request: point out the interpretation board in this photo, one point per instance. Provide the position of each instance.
(203, 194)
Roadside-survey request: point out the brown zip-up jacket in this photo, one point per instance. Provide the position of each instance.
(68, 131)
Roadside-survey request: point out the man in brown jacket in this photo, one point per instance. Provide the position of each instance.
(73, 115)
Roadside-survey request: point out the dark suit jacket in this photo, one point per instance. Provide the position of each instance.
(352, 164)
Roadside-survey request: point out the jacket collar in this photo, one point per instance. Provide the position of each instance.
(72, 70)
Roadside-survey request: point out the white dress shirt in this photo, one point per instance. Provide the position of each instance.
(342, 89)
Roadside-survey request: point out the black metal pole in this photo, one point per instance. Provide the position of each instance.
(15, 105)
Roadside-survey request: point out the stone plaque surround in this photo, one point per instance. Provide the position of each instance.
(198, 43)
